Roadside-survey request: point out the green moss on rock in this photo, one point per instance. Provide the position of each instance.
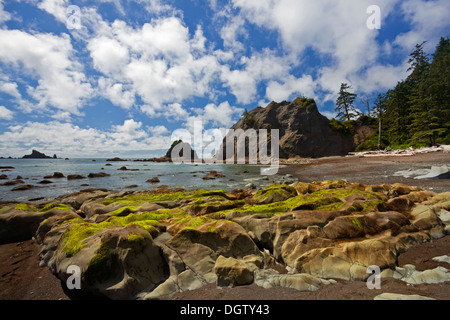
(102, 265)
(74, 239)
(25, 207)
(170, 195)
(55, 205)
(124, 210)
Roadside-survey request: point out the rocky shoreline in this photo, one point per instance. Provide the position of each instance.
(307, 240)
(157, 244)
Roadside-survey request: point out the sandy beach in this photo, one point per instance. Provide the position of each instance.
(370, 170)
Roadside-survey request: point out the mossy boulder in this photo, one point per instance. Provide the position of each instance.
(116, 262)
(198, 209)
(274, 193)
(200, 246)
(20, 222)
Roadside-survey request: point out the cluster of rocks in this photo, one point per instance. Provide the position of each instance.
(153, 244)
(56, 175)
(212, 175)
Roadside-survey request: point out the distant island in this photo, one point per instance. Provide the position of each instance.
(38, 155)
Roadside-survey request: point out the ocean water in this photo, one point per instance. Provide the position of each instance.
(187, 176)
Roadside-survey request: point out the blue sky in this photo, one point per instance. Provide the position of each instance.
(118, 77)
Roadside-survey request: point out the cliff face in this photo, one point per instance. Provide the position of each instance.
(303, 131)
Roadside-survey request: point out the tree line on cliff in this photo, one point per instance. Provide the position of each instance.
(416, 112)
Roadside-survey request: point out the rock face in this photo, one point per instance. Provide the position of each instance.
(37, 155)
(152, 244)
(303, 130)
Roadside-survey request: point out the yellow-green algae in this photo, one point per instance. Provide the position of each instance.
(55, 205)
(101, 265)
(358, 221)
(170, 195)
(25, 207)
(124, 210)
(331, 198)
(132, 237)
(281, 190)
(74, 239)
(326, 199)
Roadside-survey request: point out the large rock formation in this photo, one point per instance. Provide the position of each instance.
(179, 151)
(38, 155)
(303, 131)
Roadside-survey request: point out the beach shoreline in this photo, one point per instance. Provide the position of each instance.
(372, 170)
(21, 278)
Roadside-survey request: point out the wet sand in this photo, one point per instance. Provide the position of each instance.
(371, 170)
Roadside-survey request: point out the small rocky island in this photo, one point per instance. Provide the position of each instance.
(38, 155)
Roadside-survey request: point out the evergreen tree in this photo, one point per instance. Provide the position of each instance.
(437, 91)
(398, 112)
(429, 106)
(344, 103)
(419, 100)
(378, 111)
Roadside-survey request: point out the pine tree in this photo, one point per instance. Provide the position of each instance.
(398, 112)
(419, 100)
(437, 91)
(344, 103)
(378, 111)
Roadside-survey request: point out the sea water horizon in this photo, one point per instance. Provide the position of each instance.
(187, 176)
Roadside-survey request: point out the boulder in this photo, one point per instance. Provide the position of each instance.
(274, 193)
(424, 217)
(200, 247)
(45, 182)
(232, 272)
(295, 220)
(75, 177)
(56, 175)
(53, 220)
(21, 222)
(363, 224)
(153, 180)
(117, 262)
(348, 261)
(269, 278)
(13, 182)
(77, 199)
(260, 228)
(398, 296)
(98, 175)
(410, 275)
(23, 187)
(399, 189)
(301, 241)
